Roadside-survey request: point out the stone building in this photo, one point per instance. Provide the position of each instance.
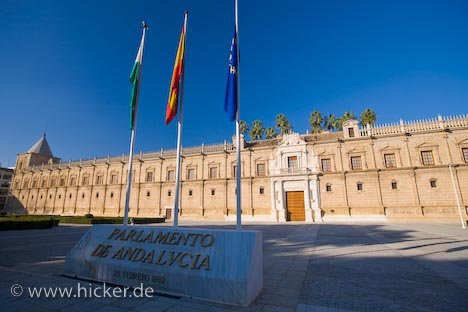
(409, 170)
(5, 179)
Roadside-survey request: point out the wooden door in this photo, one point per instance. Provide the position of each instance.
(295, 206)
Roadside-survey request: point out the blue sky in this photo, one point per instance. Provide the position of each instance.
(65, 64)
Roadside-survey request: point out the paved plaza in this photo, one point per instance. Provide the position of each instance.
(307, 267)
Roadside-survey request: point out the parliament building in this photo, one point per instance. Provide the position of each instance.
(414, 170)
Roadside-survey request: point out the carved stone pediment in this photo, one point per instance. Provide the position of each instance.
(390, 148)
(462, 142)
(426, 144)
(356, 150)
(292, 139)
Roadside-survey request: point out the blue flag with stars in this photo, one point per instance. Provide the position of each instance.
(230, 103)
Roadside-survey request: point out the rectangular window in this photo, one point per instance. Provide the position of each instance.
(328, 188)
(34, 184)
(213, 172)
(72, 181)
(465, 154)
(62, 181)
(292, 162)
(359, 186)
(170, 175)
(114, 179)
(53, 182)
(356, 163)
(390, 160)
(43, 182)
(261, 172)
(427, 158)
(351, 132)
(191, 174)
(326, 165)
(17, 184)
(433, 183)
(85, 180)
(394, 185)
(149, 176)
(234, 171)
(99, 180)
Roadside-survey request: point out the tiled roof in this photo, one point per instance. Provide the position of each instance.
(41, 147)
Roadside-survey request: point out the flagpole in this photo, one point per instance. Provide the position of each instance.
(132, 137)
(238, 153)
(179, 133)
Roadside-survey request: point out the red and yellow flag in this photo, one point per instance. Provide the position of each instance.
(171, 110)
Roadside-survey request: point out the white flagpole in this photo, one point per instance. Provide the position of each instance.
(132, 138)
(238, 153)
(179, 133)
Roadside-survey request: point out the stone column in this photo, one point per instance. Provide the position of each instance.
(225, 184)
(160, 184)
(281, 211)
(91, 182)
(315, 189)
(105, 180)
(121, 186)
(77, 189)
(202, 197)
(140, 163)
(307, 202)
(274, 214)
(345, 187)
(38, 191)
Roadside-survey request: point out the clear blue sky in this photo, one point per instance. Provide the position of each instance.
(66, 64)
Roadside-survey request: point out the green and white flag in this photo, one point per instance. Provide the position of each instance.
(135, 80)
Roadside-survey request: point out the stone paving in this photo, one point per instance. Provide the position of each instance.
(307, 267)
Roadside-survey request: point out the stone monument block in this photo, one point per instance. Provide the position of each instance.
(217, 265)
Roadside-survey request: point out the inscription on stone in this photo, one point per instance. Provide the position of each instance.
(217, 265)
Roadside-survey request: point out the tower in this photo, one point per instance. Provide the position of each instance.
(39, 154)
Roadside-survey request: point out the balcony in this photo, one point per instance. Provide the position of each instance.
(291, 171)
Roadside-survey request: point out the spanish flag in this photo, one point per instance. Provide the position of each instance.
(171, 110)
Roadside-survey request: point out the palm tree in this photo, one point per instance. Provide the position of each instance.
(368, 117)
(315, 121)
(282, 124)
(257, 130)
(243, 127)
(329, 122)
(346, 116)
(270, 133)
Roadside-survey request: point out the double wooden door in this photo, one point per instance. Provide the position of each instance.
(295, 206)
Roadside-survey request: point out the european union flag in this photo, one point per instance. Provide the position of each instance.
(230, 103)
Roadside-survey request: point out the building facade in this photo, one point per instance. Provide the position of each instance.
(6, 175)
(409, 170)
